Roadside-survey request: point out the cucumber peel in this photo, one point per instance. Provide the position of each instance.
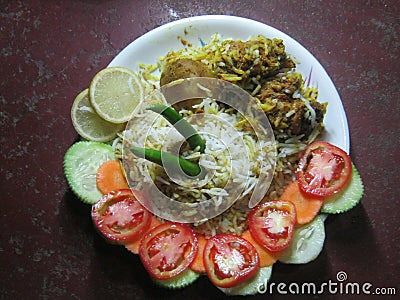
(307, 243)
(81, 162)
(347, 198)
(184, 279)
(253, 286)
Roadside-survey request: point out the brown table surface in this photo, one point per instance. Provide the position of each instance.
(49, 52)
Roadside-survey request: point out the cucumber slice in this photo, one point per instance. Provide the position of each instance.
(323, 217)
(184, 279)
(347, 198)
(307, 243)
(81, 162)
(253, 286)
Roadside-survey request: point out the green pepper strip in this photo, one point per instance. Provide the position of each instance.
(161, 158)
(184, 128)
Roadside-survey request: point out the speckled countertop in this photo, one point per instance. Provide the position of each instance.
(49, 52)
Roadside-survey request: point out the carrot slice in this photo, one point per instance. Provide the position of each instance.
(134, 246)
(306, 207)
(267, 258)
(109, 177)
(198, 263)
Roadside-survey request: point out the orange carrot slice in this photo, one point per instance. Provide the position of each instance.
(306, 207)
(134, 246)
(198, 263)
(109, 177)
(267, 258)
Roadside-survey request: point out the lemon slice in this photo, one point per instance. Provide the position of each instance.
(115, 92)
(88, 123)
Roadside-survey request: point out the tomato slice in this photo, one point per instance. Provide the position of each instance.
(229, 260)
(119, 217)
(323, 169)
(271, 224)
(168, 249)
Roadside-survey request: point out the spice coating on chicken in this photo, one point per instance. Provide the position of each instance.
(282, 100)
(259, 58)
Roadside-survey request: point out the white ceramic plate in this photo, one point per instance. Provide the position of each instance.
(157, 42)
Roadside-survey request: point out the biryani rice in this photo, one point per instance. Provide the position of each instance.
(220, 58)
(224, 157)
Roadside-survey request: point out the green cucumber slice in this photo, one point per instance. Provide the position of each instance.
(323, 217)
(184, 279)
(253, 286)
(81, 162)
(307, 243)
(347, 198)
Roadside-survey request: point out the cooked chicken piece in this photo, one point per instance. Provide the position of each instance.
(255, 58)
(286, 109)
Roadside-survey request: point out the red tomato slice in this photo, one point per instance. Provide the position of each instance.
(272, 223)
(168, 249)
(229, 260)
(323, 169)
(120, 217)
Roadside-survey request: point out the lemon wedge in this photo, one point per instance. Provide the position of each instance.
(115, 92)
(88, 123)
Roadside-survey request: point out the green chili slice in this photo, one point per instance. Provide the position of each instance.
(183, 127)
(173, 161)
